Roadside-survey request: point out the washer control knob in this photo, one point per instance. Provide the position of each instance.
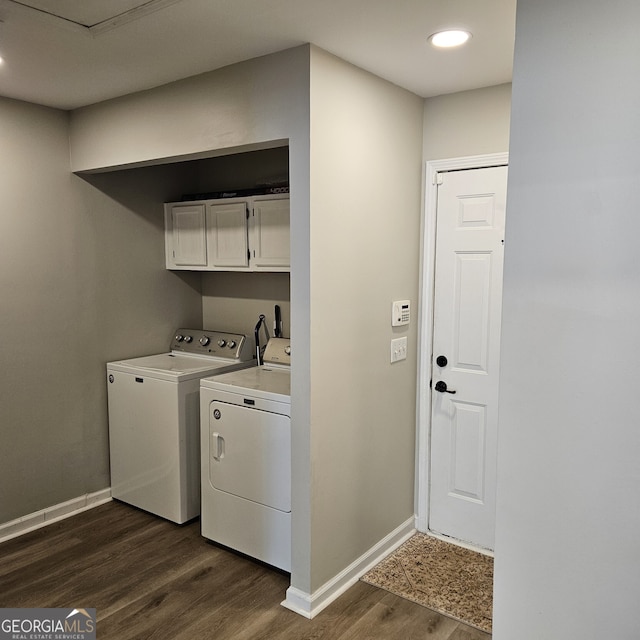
(188, 339)
(232, 344)
(287, 350)
(179, 338)
(204, 341)
(222, 342)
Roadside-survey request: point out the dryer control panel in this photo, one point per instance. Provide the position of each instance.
(278, 351)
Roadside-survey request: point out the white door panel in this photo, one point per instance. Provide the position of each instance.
(471, 311)
(250, 454)
(270, 238)
(227, 234)
(468, 459)
(189, 235)
(466, 330)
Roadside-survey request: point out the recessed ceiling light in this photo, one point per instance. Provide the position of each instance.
(450, 38)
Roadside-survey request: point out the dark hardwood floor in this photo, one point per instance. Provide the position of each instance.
(149, 578)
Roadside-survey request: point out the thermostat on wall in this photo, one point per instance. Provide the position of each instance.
(400, 313)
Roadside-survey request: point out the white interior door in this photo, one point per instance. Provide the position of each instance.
(466, 341)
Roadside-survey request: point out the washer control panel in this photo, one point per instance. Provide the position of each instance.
(220, 344)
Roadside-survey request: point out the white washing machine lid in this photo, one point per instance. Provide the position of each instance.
(176, 367)
(268, 382)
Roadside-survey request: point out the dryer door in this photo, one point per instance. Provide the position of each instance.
(250, 454)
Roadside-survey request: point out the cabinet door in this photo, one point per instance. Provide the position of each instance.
(189, 246)
(227, 235)
(269, 237)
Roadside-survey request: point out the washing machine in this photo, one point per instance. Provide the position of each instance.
(154, 420)
(246, 457)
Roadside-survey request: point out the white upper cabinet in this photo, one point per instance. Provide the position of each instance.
(234, 234)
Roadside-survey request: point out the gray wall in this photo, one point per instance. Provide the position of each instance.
(567, 544)
(366, 147)
(234, 301)
(82, 282)
(468, 123)
(248, 104)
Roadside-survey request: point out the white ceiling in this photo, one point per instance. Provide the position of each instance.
(70, 53)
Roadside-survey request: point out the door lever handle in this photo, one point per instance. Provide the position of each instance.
(441, 386)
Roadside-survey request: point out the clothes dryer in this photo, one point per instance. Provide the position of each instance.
(154, 420)
(246, 457)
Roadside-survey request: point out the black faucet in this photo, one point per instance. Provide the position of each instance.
(256, 331)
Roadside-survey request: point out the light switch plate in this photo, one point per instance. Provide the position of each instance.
(399, 349)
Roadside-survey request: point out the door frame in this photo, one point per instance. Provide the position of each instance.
(425, 316)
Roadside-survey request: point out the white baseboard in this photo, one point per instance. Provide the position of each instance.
(47, 516)
(310, 605)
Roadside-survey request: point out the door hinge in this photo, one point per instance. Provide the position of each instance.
(438, 178)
